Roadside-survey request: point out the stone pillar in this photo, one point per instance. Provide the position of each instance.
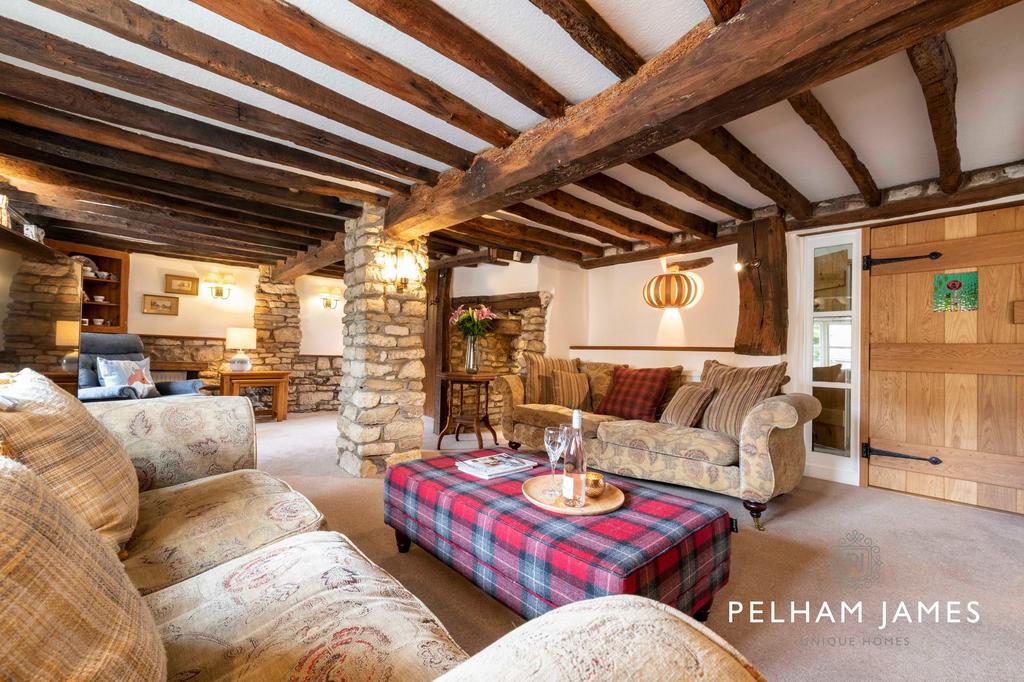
(380, 420)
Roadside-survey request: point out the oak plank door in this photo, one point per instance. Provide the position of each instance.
(949, 384)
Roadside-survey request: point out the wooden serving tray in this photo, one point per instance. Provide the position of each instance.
(534, 489)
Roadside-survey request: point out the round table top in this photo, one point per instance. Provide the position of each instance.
(462, 377)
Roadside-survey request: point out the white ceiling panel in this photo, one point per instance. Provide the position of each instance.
(649, 26)
(691, 158)
(652, 186)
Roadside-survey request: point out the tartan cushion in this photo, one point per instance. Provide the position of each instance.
(599, 376)
(657, 545)
(570, 389)
(686, 407)
(636, 393)
(737, 391)
(53, 434)
(67, 609)
(538, 383)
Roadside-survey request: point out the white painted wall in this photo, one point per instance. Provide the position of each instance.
(569, 310)
(321, 327)
(9, 264)
(492, 280)
(200, 315)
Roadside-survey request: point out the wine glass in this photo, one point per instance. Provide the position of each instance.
(556, 438)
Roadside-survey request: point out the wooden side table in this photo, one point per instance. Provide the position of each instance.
(479, 387)
(232, 383)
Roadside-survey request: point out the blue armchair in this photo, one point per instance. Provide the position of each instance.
(119, 347)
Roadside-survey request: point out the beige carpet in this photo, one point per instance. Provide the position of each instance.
(930, 551)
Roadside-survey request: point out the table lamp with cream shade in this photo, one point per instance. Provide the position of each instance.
(240, 339)
(67, 337)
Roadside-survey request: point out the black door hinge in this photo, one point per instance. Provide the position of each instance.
(869, 262)
(867, 452)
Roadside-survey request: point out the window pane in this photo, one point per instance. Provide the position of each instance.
(833, 270)
(832, 349)
(830, 431)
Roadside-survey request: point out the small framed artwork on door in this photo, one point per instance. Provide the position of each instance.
(159, 305)
(181, 285)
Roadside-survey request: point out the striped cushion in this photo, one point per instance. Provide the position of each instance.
(67, 608)
(570, 389)
(599, 376)
(675, 380)
(636, 393)
(53, 434)
(738, 389)
(538, 383)
(687, 405)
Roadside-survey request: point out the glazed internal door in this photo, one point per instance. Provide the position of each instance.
(948, 383)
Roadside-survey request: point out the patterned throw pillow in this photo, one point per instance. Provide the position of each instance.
(738, 390)
(571, 390)
(599, 376)
(69, 610)
(687, 405)
(636, 393)
(53, 434)
(134, 373)
(538, 386)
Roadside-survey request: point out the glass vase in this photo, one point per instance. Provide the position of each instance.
(471, 361)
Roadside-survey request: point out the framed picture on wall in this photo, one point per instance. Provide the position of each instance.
(159, 305)
(181, 285)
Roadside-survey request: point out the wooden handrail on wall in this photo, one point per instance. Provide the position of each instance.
(695, 349)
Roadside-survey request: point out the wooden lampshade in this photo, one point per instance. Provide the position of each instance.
(674, 290)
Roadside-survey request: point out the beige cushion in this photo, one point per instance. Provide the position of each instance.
(51, 433)
(738, 389)
(599, 376)
(570, 389)
(624, 637)
(67, 609)
(189, 528)
(687, 405)
(542, 416)
(672, 441)
(538, 381)
(310, 607)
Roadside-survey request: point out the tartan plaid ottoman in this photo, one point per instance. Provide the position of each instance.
(657, 545)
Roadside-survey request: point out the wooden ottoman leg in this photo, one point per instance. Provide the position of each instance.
(755, 509)
(703, 612)
(403, 541)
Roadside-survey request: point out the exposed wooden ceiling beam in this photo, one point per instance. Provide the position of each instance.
(152, 167)
(52, 92)
(584, 210)
(983, 184)
(538, 235)
(659, 167)
(53, 52)
(721, 144)
(486, 237)
(428, 23)
(134, 246)
(23, 173)
(692, 246)
(487, 256)
(254, 212)
(723, 10)
(316, 257)
(701, 82)
(813, 113)
(936, 70)
(593, 34)
(461, 241)
(290, 26)
(542, 217)
(627, 197)
(137, 24)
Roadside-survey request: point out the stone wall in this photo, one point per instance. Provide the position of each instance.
(381, 416)
(41, 293)
(502, 353)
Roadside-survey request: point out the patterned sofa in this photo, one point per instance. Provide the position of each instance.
(760, 460)
(228, 575)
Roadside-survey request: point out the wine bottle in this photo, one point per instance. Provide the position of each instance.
(574, 470)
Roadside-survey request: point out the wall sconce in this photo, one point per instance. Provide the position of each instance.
(220, 285)
(399, 268)
(330, 296)
(674, 290)
(740, 265)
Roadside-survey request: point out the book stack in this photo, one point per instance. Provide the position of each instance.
(493, 466)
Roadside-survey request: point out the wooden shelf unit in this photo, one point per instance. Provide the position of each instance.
(115, 291)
